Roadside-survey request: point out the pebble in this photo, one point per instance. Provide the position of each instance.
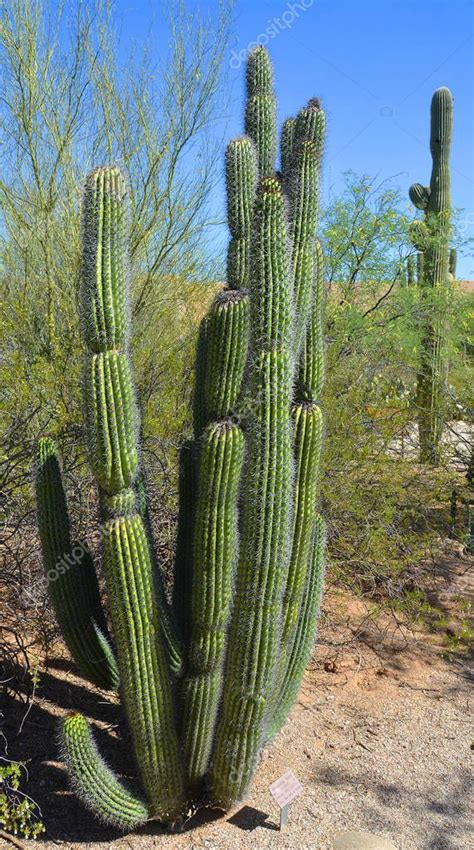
(361, 841)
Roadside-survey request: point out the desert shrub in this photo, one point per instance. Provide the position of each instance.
(385, 513)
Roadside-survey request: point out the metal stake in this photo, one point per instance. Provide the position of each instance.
(283, 816)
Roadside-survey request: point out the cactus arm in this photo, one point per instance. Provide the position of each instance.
(143, 663)
(220, 369)
(310, 374)
(419, 195)
(200, 367)
(183, 567)
(71, 578)
(226, 354)
(260, 110)
(113, 447)
(220, 362)
(241, 183)
(303, 185)
(308, 432)
(440, 148)
(215, 556)
(94, 782)
(105, 223)
(410, 271)
(303, 642)
(254, 628)
(287, 141)
(169, 625)
(311, 126)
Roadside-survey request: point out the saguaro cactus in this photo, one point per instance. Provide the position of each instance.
(206, 681)
(431, 238)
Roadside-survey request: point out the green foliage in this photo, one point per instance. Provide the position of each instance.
(378, 504)
(250, 552)
(19, 814)
(79, 91)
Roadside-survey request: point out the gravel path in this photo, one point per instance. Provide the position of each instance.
(380, 738)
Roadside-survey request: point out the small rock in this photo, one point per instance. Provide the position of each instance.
(361, 841)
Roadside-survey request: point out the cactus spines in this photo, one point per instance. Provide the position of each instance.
(168, 620)
(93, 781)
(311, 125)
(310, 376)
(250, 546)
(440, 147)
(118, 504)
(112, 420)
(302, 181)
(432, 238)
(272, 311)
(143, 664)
(241, 182)
(265, 524)
(70, 576)
(260, 110)
(105, 260)
(300, 651)
(215, 555)
(286, 147)
(226, 353)
(303, 194)
(308, 434)
(183, 570)
(130, 572)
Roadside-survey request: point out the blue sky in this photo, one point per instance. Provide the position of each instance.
(375, 64)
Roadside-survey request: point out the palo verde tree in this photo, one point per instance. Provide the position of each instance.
(229, 653)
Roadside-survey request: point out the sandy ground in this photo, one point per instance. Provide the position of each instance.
(380, 738)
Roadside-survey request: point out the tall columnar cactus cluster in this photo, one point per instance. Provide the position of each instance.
(208, 679)
(436, 264)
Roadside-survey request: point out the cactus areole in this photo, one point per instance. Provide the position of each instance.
(209, 678)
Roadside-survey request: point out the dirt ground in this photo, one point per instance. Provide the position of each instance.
(380, 737)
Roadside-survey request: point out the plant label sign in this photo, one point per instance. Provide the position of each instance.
(284, 790)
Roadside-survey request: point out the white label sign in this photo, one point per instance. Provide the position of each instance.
(286, 789)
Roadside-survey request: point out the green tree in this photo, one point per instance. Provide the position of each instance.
(74, 95)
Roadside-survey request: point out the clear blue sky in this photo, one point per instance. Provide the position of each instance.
(375, 64)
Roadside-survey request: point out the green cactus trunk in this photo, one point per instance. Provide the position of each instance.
(432, 238)
(260, 110)
(215, 556)
(254, 628)
(112, 421)
(299, 653)
(207, 681)
(241, 183)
